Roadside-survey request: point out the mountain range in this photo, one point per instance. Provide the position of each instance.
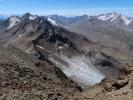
(82, 51)
(113, 18)
(111, 30)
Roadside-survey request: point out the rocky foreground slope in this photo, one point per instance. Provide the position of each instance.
(42, 61)
(23, 77)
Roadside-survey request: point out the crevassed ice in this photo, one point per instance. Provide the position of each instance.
(80, 70)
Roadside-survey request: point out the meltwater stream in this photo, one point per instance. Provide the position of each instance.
(79, 69)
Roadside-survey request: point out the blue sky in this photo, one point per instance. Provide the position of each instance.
(66, 7)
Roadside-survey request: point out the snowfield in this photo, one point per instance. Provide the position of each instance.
(80, 70)
(113, 16)
(52, 21)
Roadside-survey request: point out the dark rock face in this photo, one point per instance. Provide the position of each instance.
(106, 64)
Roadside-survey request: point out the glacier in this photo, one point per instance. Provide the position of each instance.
(80, 70)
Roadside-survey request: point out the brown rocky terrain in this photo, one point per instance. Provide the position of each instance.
(40, 61)
(109, 89)
(24, 78)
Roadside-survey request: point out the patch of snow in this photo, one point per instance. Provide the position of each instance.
(60, 47)
(52, 21)
(126, 20)
(66, 45)
(32, 17)
(80, 70)
(41, 21)
(20, 36)
(112, 16)
(39, 47)
(13, 21)
(109, 16)
(104, 17)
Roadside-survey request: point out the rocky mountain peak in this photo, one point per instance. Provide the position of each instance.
(13, 20)
(114, 17)
(108, 16)
(29, 16)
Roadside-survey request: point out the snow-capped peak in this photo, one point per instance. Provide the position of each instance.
(52, 21)
(108, 16)
(13, 21)
(31, 17)
(126, 20)
(113, 16)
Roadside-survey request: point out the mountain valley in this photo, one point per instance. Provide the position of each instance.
(59, 58)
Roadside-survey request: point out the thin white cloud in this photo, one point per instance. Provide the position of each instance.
(91, 11)
(74, 12)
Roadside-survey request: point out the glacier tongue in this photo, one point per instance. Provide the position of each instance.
(80, 70)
